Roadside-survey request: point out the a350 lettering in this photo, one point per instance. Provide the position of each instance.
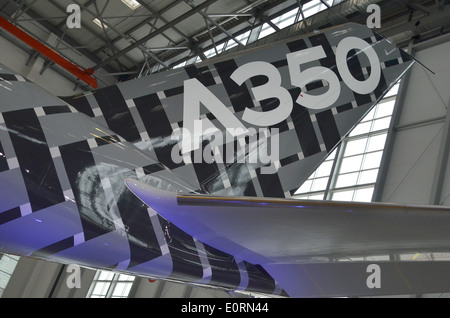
(196, 94)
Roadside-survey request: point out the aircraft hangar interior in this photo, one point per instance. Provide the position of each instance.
(94, 54)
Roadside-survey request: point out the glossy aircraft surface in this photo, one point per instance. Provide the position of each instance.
(119, 179)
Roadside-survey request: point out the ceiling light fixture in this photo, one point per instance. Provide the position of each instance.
(132, 4)
(99, 23)
(222, 15)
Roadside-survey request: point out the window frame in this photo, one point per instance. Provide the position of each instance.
(335, 189)
(110, 283)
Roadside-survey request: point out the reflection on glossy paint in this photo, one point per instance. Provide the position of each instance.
(7, 88)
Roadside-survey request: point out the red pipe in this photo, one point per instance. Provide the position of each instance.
(83, 74)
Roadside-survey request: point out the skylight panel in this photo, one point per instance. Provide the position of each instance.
(266, 30)
(132, 4)
(286, 19)
(99, 23)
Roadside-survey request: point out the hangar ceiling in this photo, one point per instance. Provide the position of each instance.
(121, 41)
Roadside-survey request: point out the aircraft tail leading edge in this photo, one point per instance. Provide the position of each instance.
(285, 235)
(312, 90)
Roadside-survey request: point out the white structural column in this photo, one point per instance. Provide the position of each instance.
(441, 171)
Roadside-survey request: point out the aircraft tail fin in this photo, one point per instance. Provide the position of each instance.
(266, 117)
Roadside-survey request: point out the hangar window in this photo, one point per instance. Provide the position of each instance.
(318, 182)
(7, 265)
(180, 65)
(110, 285)
(315, 6)
(350, 172)
(286, 19)
(241, 38)
(266, 30)
(212, 52)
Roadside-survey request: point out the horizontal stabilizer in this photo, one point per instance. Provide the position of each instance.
(287, 230)
(284, 235)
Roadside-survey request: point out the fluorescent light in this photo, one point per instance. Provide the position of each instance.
(167, 48)
(222, 15)
(99, 23)
(132, 4)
